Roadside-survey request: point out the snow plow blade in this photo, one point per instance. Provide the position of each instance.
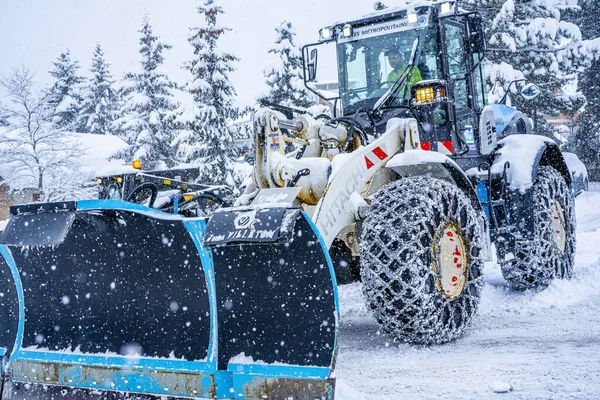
(38, 225)
(108, 298)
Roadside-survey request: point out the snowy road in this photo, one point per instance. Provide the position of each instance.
(529, 346)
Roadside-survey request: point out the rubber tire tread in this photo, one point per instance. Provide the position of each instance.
(397, 255)
(536, 263)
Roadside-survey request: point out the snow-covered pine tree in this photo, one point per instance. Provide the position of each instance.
(34, 152)
(207, 140)
(284, 76)
(586, 142)
(532, 37)
(99, 98)
(487, 8)
(63, 96)
(242, 130)
(146, 114)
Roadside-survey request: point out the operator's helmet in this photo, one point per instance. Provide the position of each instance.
(391, 50)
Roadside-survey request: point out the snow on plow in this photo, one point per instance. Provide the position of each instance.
(107, 296)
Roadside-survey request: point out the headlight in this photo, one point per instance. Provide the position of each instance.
(425, 95)
(347, 31)
(429, 94)
(325, 34)
(413, 18)
(137, 164)
(445, 8)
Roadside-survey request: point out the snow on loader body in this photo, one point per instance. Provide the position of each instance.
(406, 190)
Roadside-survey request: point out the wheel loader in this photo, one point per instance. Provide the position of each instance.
(405, 188)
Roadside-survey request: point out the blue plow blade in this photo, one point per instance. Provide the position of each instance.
(104, 298)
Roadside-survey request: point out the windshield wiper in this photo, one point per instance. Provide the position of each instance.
(400, 82)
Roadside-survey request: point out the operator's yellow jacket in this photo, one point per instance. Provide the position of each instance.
(414, 76)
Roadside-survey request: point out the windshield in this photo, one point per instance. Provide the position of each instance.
(370, 66)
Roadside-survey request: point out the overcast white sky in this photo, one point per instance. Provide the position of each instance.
(35, 32)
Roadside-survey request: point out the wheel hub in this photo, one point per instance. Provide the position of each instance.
(559, 231)
(450, 265)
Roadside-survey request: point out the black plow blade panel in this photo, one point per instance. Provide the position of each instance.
(45, 229)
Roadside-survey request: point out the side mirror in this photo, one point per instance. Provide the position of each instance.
(530, 91)
(312, 66)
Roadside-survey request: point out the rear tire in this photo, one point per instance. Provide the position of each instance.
(551, 253)
(407, 275)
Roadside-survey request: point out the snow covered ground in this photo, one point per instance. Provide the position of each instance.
(520, 346)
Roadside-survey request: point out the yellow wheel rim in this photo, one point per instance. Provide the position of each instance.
(559, 231)
(450, 260)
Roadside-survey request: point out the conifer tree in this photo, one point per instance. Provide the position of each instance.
(284, 76)
(99, 98)
(63, 97)
(207, 140)
(533, 38)
(242, 130)
(146, 114)
(586, 142)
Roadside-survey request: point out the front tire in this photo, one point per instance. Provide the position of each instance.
(551, 252)
(416, 234)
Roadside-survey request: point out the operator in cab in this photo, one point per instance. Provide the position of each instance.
(396, 61)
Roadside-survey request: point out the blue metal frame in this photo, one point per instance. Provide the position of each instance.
(196, 229)
(5, 252)
(84, 205)
(484, 198)
(335, 285)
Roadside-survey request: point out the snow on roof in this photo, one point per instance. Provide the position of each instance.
(115, 169)
(97, 150)
(330, 94)
(405, 4)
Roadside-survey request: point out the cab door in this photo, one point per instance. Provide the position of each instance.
(456, 67)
